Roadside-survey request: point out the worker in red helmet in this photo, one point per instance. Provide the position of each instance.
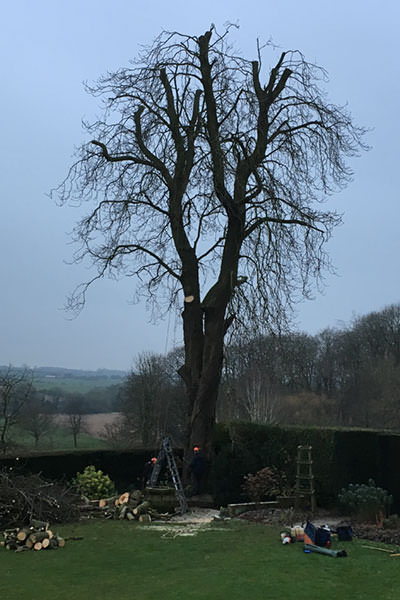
(197, 469)
(148, 470)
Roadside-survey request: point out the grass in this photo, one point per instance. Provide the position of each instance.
(228, 561)
(58, 439)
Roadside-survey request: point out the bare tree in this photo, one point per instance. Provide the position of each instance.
(260, 397)
(15, 389)
(206, 172)
(35, 420)
(152, 402)
(75, 417)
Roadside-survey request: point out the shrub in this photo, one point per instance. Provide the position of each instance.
(392, 522)
(266, 483)
(94, 484)
(365, 501)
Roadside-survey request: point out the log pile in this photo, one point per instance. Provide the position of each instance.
(130, 506)
(36, 536)
(26, 497)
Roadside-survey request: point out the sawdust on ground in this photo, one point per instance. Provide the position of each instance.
(191, 523)
(196, 516)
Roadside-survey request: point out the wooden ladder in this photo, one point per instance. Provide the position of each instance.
(304, 478)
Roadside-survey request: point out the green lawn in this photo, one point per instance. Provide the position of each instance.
(227, 561)
(58, 439)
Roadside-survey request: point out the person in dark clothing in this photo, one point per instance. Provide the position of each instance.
(148, 470)
(197, 469)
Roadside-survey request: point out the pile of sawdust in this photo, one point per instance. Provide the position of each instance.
(196, 515)
(189, 524)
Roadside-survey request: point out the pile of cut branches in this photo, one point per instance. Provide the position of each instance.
(27, 497)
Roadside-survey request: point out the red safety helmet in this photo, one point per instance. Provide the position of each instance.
(196, 449)
(154, 460)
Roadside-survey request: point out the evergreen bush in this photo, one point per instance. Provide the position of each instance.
(94, 484)
(365, 501)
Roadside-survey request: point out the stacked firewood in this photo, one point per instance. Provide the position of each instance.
(131, 506)
(36, 536)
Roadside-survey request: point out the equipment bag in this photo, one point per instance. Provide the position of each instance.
(345, 533)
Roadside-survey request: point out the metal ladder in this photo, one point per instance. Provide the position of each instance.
(304, 477)
(167, 452)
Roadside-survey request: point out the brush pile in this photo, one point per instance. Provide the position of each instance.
(27, 497)
(36, 536)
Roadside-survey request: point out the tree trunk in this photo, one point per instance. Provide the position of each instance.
(203, 378)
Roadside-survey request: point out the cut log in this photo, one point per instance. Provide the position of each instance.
(28, 544)
(123, 512)
(137, 495)
(41, 525)
(60, 540)
(236, 509)
(141, 508)
(38, 536)
(37, 546)
(123, 498)
(23, 533)
(45, 543)
(11, 546)
(145, 519)
(41, 535)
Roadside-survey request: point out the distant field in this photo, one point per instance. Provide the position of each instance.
(75, 384)
(59, 438)
(94, 423)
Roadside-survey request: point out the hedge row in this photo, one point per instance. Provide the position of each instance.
(125, 467)
(339, 458)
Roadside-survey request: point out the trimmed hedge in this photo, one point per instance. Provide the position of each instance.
(339, 457)
(125, 468)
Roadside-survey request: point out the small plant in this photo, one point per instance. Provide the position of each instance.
(266, 483)
(392, 522)
(365, 501)
(94, 484)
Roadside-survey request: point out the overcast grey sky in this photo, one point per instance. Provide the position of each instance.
(49, 47)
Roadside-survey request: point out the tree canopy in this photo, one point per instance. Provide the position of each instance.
(205, 175)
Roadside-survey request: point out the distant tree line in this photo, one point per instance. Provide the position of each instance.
(347, 376)
(341, 377)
